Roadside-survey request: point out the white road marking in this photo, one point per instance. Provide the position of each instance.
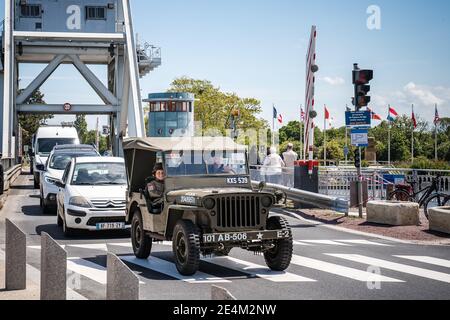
(327, 242)
(365, 242)
(339, 270)
(425, 273)
(257, 270)
(93, 246)
(39, 247)
(298, 243)
(121, 244)
(88, 269)
(429, 260)
(168, 268)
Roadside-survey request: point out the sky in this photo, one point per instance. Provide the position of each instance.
(258, 49)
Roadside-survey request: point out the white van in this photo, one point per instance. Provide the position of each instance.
(45, 139)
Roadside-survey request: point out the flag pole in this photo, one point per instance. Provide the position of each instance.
(346, 138)
(325, 137)
(412, 137)
(301, 133)
(389, 139)
(435, 136)
(273, 126)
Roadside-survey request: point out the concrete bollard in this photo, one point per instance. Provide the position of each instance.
(15, 258)
(122, 283)
(218, 293)
(53, 269)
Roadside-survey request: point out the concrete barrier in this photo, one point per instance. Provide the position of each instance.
(393, 213)
(53, 269)
(439, 219)
(15, 257)
(122, 283)
(219, 293)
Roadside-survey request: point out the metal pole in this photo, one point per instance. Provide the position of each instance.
(360, 189)
(325, 140)
(412, 139)
(389, 143)
(435, 138)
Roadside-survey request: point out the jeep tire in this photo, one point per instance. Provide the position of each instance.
(141, 242)
(186, 247)
(279, 257)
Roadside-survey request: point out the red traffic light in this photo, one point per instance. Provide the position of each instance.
(362, 76)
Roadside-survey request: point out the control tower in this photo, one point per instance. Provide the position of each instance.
(171, 114)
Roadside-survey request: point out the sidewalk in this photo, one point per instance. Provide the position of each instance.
(418, 234)
(31, 293)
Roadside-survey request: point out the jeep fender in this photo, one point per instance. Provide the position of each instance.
(176, 214)
(130, 211)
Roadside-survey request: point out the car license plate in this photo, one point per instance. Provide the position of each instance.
(111, 226)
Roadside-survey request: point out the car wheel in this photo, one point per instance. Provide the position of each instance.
(279, 257)
(59, 220)
(68, 232)
(186, 247)
(141, 242)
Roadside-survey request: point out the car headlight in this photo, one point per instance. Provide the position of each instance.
(266, 201)
(79, 202)
(50, 180)
(209, 203)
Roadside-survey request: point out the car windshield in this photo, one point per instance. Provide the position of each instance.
(205, 163)
(94, 174)
(60, 161)
(45, 146)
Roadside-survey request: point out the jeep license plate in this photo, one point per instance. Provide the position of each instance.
(245, 236)
(111, 226)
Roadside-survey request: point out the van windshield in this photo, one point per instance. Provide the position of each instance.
(46, 145)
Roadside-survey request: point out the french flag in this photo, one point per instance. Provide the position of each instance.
(392, 114)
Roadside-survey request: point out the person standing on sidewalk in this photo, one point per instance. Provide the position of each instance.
(289, 157)
(273, 166)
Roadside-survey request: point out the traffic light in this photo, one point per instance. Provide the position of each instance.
(361, 79)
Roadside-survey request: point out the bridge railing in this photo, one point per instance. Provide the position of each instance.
(336, 181)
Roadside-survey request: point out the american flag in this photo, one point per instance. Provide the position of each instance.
(437, 119)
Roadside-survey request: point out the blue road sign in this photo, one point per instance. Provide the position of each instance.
(358, 118)
(360, 137)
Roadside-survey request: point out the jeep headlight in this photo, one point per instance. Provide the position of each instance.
(79, 202)
(267, 201)
(209, 203)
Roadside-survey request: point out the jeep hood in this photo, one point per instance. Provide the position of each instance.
(200, 193)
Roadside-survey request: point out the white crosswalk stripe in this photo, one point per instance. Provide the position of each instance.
(88, 269)
(420, 272)
(339, 270)
(94, 246)
(364, 242)
(168, 268)
(326, 242)
(429, 260)
(257, 270)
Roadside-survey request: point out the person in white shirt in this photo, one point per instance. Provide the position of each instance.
(272, 167)
(289, 157)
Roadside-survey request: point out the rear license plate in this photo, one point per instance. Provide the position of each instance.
(111, 226)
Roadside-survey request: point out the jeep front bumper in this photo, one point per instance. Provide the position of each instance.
(212, 238)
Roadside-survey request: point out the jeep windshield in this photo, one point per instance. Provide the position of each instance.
(195, 163)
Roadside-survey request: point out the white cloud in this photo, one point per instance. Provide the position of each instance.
(334, 81)
(424, 94)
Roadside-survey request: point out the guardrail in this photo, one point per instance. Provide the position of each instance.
(9, 176)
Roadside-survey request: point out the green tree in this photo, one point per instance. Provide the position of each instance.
(30, 123)
(213, 108)
(82, 127)
(91, 138)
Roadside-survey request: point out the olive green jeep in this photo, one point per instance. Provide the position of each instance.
(208, 206)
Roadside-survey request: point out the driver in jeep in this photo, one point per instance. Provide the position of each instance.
(155, 188)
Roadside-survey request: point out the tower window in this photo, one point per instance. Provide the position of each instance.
(96, 13)
(30, 11)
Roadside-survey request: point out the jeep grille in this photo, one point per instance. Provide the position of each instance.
(238, 211)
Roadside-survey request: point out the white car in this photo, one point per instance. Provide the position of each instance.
(54, 169)
(92, 195)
